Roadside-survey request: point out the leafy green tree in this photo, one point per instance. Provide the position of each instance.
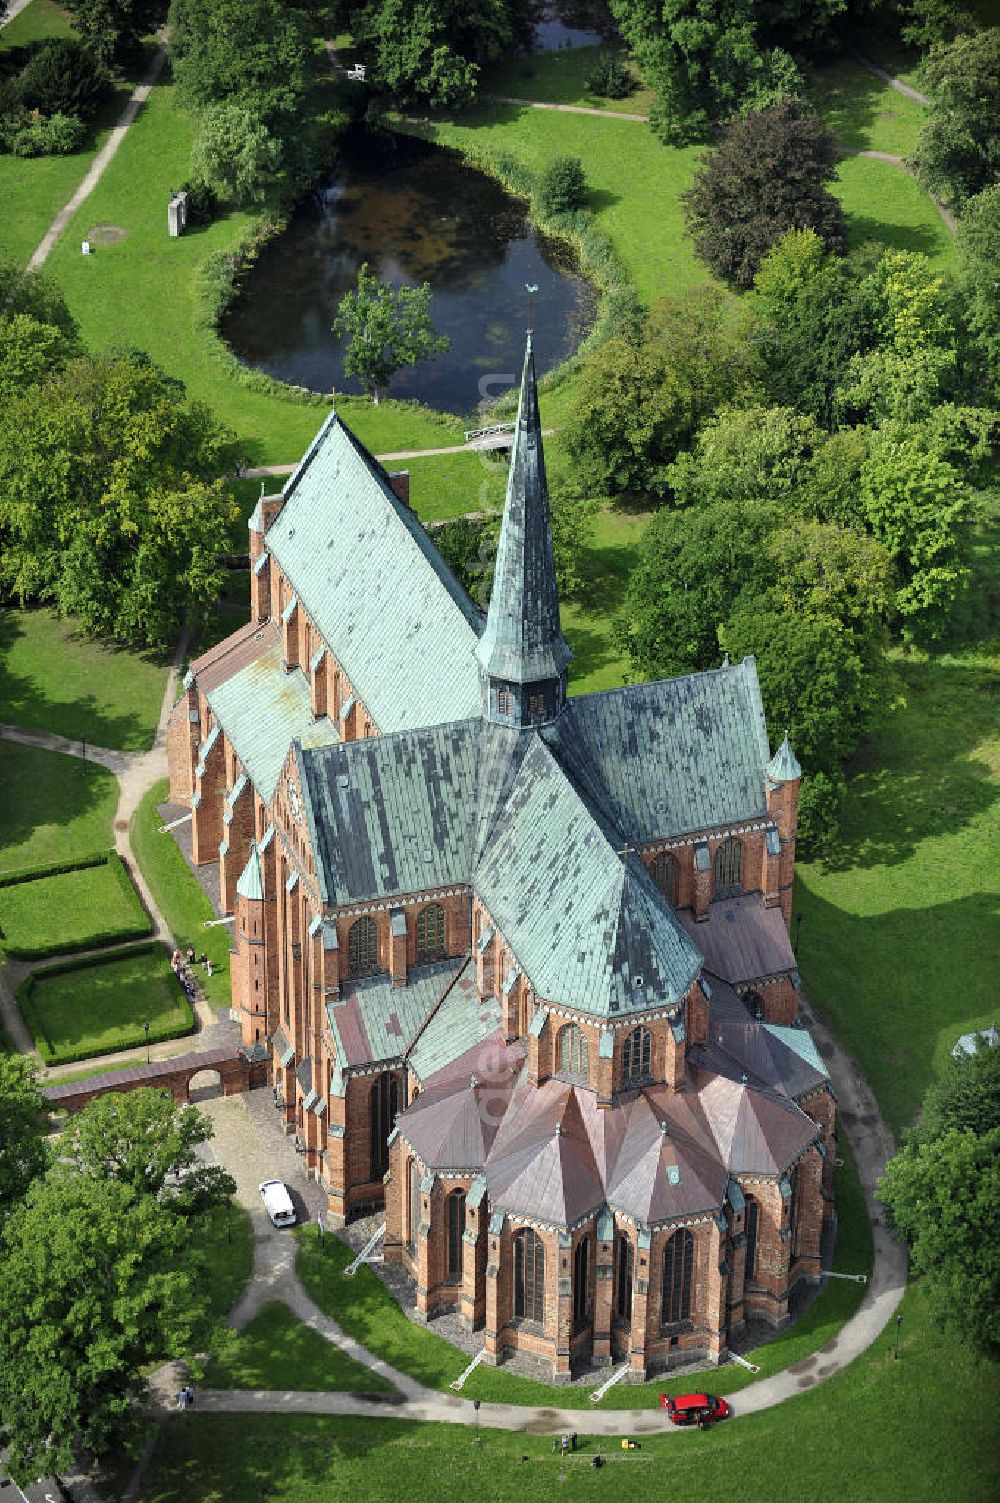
(108, 502)
(30, 350)
(113, 29)
(386, 328)
(745, 454)
(140, 1138)
(572, 529)
(235, 155)
(978, 243)
(254, 53)
(958, 148)
(925, 22)
(64, 77)
(561, 187)
(468, 546)
(34, 293)
(966, 1098)
(429, 51)
(766, 176)
(943, 1195)
(914, 359)
(22, 1131)
(99, 1280)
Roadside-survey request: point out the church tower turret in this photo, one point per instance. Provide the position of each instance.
(522, 654)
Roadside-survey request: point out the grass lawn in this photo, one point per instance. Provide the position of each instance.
(365, 1308)
(276, 1350)
(586, 621)
(885, 204)
(896, 932)
(142, 291)
(866, 1434)
(80, 1011)
(53, 808)
(53, 678)
(178, 894)
(448, 485)
(225, 1237)
(561, 78)
(38, 22)
(71, 910)
(862, 111)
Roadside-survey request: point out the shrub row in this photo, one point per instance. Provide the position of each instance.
(53, 869)
(139, 925)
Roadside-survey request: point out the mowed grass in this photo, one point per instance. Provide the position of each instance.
(900, 933)
(449, 485)
(862, 111)
(53, 808)
(634, 180)
(77, 1012)
(276, 1350)
(70, 910)
(562, 78)
(587, 620)
(142, 291)
(364, 1308)
(225, 1237)
(178, 894)
(882, 203)
(870, 1433)
(38, 22)
(53, 678)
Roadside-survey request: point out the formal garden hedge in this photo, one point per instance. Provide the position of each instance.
(99, 1004)
(74, 906)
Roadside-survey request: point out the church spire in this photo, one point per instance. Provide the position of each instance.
(522, 653)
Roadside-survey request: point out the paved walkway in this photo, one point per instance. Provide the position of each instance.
(887, 78)
(262, 472)
(99, 165)
(570, 109)
(14, 8)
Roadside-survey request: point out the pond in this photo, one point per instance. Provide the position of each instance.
(571, 23)
(414, 212)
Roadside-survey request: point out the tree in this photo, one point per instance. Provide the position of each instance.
(113, 29)
(387, 328)
(64, 77)
(429, 51)
(252, 53)
(108, 502)
(234, 155)
(766, 176)
(22, 1131)
(745, 454)
(562, 187)
(572, 530)
(966, 1097)
(978, 244)
(958, 148)
(30, 350)
(943, 1195)
(928, 21)
(912, 364)
(99, 1280)
(34, 293)
(139, 1138)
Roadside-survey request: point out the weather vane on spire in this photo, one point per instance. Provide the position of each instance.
(531, 288)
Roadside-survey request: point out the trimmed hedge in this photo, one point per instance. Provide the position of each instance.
(54, 869)
(159, 1030)
(139, 925)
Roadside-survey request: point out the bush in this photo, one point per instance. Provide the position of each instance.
(611, 80)
(52, 869)
(203, 205)
(562, 187)
(821, 800)
(64, 78)
(30, 136)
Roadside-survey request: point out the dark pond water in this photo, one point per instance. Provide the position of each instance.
(571, 23)
(414, 213)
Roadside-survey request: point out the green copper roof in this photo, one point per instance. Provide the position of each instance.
(522, 642)
(800, 1041)
(783, 766)
(379, 592)
(263, 709)
(251, 882)
(462, 1021)
(373, 1021)
(587, 927)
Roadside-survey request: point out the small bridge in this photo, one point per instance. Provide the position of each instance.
(497, 436)
(233, 1071)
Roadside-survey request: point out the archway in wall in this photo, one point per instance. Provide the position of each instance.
(204, 1085)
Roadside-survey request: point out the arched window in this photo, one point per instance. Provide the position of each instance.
(362, 947)
(581, 1281)
(414, 1203)
(664, 873)
(636, 1055)
(793, 1209)
(456, 1227)
(754, 1004)
(752, 1225)
(430, 933)
(728, 861)
(678, 1269)
(573, 1053)
(624, 1270)
(529, 1276)
(383, 1103)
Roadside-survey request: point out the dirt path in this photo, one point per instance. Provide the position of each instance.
(99, 165)
(14, 8)
(887, 78)
(569, 109)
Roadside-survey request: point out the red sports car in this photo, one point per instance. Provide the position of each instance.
(695, 1408)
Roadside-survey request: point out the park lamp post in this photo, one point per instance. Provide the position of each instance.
(145, 1029)
(475, 1405)
(899, 1322)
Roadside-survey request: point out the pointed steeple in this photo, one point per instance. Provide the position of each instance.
(522, 653)
(784, 765)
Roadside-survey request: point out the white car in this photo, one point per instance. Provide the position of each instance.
(278, 1202)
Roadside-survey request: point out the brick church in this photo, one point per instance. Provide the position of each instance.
(519, 961)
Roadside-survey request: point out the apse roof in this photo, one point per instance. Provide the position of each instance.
(372, 1020)
(378, 590)
(757, 1131)
(740, 939)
